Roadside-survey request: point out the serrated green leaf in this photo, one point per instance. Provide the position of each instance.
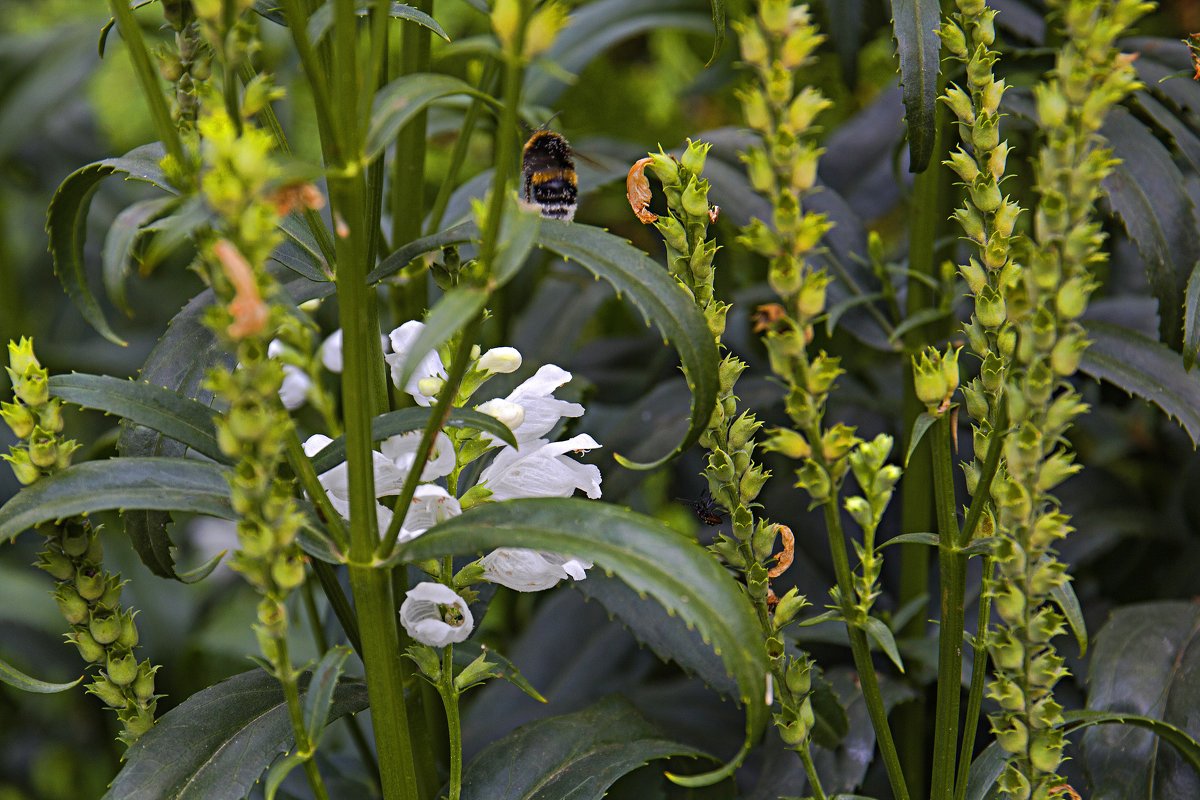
(920, 427)
(165, 484)
(718, 19)
(182, 419)
(398, 260)
(117, 258)
(322, 19)
(1068, 603)
(640, 550)
(915, 24)
(66, 224)
(576, 755)
(468, 651)
(661, 301)
(919, 537)
(412, 419)
(883, 637)
(1146, 369)
(13, 677)
(404, 98)
(216, 744)
(1191, 319)
(319, 699)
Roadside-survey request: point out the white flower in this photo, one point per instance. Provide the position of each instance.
(511, 414)
(430, 505)
(529, 570)
(293, 392)
(435, 615)
(500, 360)
(542, 409)
(388, 480)
(430, 365)
(542, 469)
(331, 350)
(401, 450)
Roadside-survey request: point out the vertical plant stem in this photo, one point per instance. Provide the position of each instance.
(810, 769)
(338, 601)
(450, 700)
(953, 567)
(459, 154)
(148, 77)
(307, 476)
(291, 694)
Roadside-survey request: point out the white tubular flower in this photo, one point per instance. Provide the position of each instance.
(435, 615)
(511, 414)
(529, 570)
(542, 469)
(401, 451)
(293, 392)
(542, 409)
(500, 360)
(430, 365)
(388, 480)
(430, 505)
(331, 351)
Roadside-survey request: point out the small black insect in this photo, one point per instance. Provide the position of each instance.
(549, 179)
(707, 509)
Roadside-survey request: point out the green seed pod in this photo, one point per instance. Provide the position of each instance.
(990, 308)
(694, 156)
(1045, 751)
(55, 562)
(122, 669)
(105, 626)
(288, 573)
(960, 103)
(974, 275)
(143, 684)
(985, 193)
(73, 608)
(107, 691)
(814, 480)
(930, 383)
(953, 39)
(788, 607)
(90, 582)
(695, 198)
(89, 649)
(129, 632)
(1014, 737)
(32, 389)
(19, 419)
(799, 677)
(43, 448)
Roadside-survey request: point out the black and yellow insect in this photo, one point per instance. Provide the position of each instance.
(548, 173)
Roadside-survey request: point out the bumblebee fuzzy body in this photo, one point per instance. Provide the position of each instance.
(549, 180)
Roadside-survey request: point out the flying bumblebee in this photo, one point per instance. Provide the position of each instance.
(548, 175)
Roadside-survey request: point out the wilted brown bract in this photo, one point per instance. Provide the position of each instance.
(637, 192)
(247, 307)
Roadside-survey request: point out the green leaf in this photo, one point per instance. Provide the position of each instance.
(718, 18)
(915, 24)
(448, 316)
(322, 19)
(920, 428)
(412, 419)
(398, 260)
(846, 30)
(279, 772)
(1144, 668)
(518, 234)
(165, 484)
(404, 98)
(13, 677)
(1067, 602)
(108, 26)
(985, 771)
(66, 224)
(468, 651)
(883, 637)
(117, 257)
(320, 691)
(830, 721)
(661, 301)
(576, 755)
(640, 550)
(916, 320)
(1146, 369)
(216, 744)
(184, 420)
(921, 537)
(1191, 319)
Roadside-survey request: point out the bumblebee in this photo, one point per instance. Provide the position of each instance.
(548, 171)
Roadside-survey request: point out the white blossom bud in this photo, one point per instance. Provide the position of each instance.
(511, 414)
(502, 360)
(435, 615)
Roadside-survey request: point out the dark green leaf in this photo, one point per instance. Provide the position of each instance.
(981, 546)
(1146, 369)
(1145, 664)
(66, 224)
(985, 771)
(179, 418)
(404, 98)
(279, 772)
(13, 677)
(718, 18)
(831, 724)
(1191, 319)
(846, 31)
(916, 320)
(412, 419)
(165, 484)
(1148, 192)
(322, 19)
(319, 699)
(883, 637)
(661, 301)
(920, 427)
(922, 537)
(518, 235)
(647, 555)
(117, 257)
(216, 744)
(1068, 603)
(468, 651)
(398, 260)
(448, 316)
(576, 755)
(916, 23)
(108, 26)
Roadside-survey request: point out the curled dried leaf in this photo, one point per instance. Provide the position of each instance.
(298, 195)
(249, 312)
(783, 559)
(637, 192)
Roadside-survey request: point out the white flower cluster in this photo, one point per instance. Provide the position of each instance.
(432, 613)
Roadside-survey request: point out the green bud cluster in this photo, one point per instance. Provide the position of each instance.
(1029, 294)
(188, 64)
(935, 376)
(876, 479)
(775, 44)
(88, 597)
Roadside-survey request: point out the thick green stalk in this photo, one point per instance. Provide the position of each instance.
(450, 700)
(148, 77)
(810, 769)
(952, 563)
(331, 144)
(338, 601)
(291, 694)
(860, 648)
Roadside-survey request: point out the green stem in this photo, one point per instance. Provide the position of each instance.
(450, 701)
(953, 565)
(810, 769)
(331, 141)
(459, 155)
(291, 694)
(304, 471)
(860, 648)
(148, 77)
(978, 678)
(332, 588)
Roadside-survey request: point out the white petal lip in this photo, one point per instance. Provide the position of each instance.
(431, 504)
(331, 351)
(421, 617)
(530, 570)
(542, 469)
(401, 451)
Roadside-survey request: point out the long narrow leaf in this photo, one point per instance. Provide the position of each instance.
(13, 677)
(916, 23)
(404, 98)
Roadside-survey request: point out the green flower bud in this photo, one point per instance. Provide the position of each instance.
(985, 26)
(105, 626)
(930, 382)
(775, 16)
(1052, 106)
(960, 103)
(1072, 297)
(788, 607)
(1039, 382)
(963, 165)
(143, 684)
(50, 416)
(799, 677)
(971, 222)
(1007, 652)
(1013, 738)
(73, 608)
(822, 372)
(752, 44)
(19, 419)
(1065, 408)
(970, 476)
(814, 480)
(860, 511)
(129, 632)
(990, 308)
(755, 110)
(21, 359)
(751, 484)
(986, 131)
(1010, 604)
(743, 430)
(24, 470)
(43, 448)
(838, 441)
(976, 400)
(288, 573)
(804, 109)
(111, 694)
(991, 95)
(788, 442)
(32, 389)
(136, 721)
(992, 373)
(953, 39)
(811, 300)
(666, 169)
(122, 669)
(804, 170)
(55, 562)
(799, 46)
(695, 198)
(997, 160)
(760, 239)
(759, 170)
(1045, 751)
(976, 337)
(89, 649)
(672, 232)
(90, 582)
(985, 193)
(694, 157)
